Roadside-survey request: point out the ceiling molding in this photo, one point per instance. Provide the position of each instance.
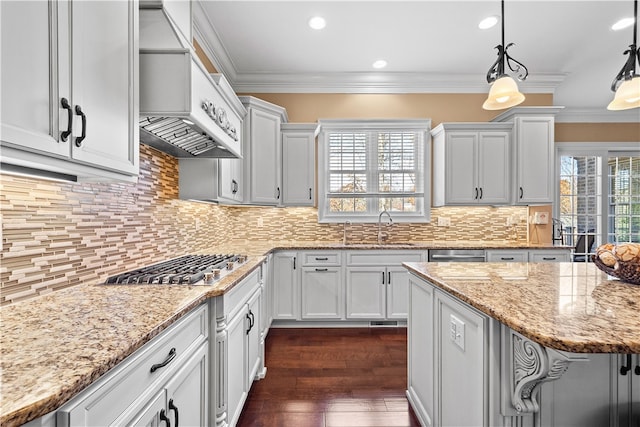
(381, 83)
(597, 115)
(209, 41)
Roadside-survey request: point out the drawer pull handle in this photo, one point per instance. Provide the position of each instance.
(549, 258)
(65, 104)
(322, 259)
(174, 408)
(163, 417)
(507, 258)
(170, 357)
(322, 269)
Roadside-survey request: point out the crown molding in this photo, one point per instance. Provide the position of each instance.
(597, 115)
(208, 39)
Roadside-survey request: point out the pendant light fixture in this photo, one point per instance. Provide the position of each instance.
(504, 91)
(626, 84)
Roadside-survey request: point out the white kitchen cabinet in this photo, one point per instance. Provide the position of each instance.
(174, 365)
(231, 180)
(286, 286)
(238, 348)
(628, 388)
(322, 293)
(298, 163)
(472, 164)
(531, 255)
(550, 255)
(420, 364)
(377, 286)
(69, 80)
(533, 154)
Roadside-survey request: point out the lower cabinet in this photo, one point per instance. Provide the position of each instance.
(532, 255)
(285, 278)
(166, 378)
(322, 293)
(239, 347)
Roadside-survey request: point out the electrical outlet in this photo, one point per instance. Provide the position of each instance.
(444, 221)
(457, 331)
(260, 221)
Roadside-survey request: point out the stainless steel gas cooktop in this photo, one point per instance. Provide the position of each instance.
(188, 269)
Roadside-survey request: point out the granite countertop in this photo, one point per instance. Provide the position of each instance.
(565, 306)
(54, 346)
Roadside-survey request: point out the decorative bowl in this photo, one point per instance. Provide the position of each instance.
(621, 261)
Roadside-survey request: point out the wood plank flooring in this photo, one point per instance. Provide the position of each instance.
(353, 377)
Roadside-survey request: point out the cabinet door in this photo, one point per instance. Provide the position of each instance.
(460, 168)
(460, 350)
(187, 391)
(32, 114)
(286, 297)
(104, 70)
(628, 388)
(254, 355)
(236, 365)
(265, 157)
(150, 415)
(420, 330)
(230, 179)
(397, 293)
(322, 294)
(298, 167)
(535, 160)
(366, 293)
(494, 166)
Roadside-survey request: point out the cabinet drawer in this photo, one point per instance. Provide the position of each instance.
(383, 258)
(507, 256)
(321, 258)
(240, 293)
(549, 256)
(110, 396)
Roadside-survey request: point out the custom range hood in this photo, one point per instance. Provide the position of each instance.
(184, 110)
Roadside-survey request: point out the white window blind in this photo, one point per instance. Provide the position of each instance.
(371, 166)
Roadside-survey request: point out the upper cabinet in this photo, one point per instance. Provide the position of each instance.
(534, 153)
(472, 164)
(298, 163)
(257, 177)
(70, 88)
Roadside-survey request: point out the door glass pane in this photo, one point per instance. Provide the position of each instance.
(624, 199)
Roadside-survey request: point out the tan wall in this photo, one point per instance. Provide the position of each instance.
(439, 107)
(598, 132)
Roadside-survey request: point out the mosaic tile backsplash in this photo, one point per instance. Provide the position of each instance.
(56, 235)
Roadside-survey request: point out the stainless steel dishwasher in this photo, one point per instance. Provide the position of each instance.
(456, 255)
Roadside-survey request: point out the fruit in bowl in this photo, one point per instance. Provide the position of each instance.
(621, 261)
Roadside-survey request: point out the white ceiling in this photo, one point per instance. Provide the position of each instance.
(430, 46)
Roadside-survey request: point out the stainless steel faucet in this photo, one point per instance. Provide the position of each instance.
(384, 211)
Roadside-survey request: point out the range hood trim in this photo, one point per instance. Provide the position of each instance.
(176, 84)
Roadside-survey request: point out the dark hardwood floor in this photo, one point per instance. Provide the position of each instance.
(332, 378)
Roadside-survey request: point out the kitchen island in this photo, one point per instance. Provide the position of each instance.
(523, 343)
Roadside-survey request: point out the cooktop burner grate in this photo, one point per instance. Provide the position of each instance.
(187, 269)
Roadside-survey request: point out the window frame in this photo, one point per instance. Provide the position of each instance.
(602, 151)
(420, 126)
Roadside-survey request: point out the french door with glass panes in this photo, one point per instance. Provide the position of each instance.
(598, 197)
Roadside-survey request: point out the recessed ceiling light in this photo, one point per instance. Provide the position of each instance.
(380, 63)
(317, 22)
(622, 24)
(488, 22)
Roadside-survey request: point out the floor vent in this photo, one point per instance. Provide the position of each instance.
(383, 323)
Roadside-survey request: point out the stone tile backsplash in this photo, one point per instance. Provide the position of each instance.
(56, 235)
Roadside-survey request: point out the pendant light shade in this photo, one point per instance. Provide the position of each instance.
(626, 84)
(504, 93)
(627, 96)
